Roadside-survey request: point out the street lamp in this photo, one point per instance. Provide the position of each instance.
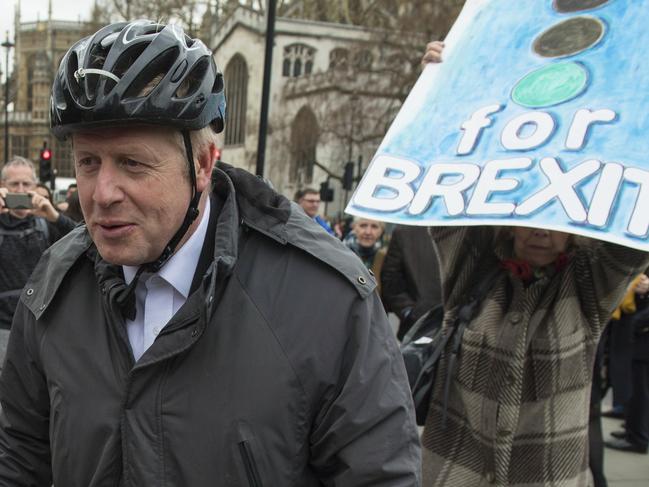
(7, 45)
(265, 90)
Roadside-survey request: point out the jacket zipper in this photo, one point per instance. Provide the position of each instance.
(254, 480)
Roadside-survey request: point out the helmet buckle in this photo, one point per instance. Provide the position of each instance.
(81, 73)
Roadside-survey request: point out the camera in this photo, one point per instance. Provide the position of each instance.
(18, 201)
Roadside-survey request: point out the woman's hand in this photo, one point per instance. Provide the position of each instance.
(642, 286)
(433, 53)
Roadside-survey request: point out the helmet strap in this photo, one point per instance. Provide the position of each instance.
(127, 298)
(190, 215)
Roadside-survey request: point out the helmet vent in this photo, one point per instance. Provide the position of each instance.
(218, 86)
(189, 42)
(194, 79)
(125, 61)
(73, 83)
(88, 83)
(152, 74)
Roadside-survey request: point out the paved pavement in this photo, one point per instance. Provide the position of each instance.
(624, 469)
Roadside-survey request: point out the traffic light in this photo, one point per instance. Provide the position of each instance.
(348, 176)
(45, 166)
(326, 193)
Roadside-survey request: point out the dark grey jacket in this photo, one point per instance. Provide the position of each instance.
(280, 369)
(410, 280)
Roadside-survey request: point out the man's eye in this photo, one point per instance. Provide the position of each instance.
(85, 162)
(131, 163)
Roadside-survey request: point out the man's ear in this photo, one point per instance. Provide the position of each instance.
(205, 159)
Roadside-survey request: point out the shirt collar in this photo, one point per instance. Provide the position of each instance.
(180, 268)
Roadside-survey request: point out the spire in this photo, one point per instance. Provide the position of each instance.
(49, 10)
(16, 17)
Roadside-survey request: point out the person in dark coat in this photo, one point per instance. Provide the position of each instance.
(635, 437)
(198, 330)
(24, 236)
(620, 351)
(410, 283)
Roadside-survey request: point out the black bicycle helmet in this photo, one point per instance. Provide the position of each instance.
(137, 72)
(140, 72)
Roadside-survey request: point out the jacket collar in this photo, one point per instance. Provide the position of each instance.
(259, 207)
(52, 268)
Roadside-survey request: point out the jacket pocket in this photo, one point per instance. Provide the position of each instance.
(471, 354)
(249, 464)
(559, 364)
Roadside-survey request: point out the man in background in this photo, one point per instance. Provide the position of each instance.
(410, 283)
(24, 236)
(309, 200)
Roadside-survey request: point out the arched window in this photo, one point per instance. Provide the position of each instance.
(297, 68)
(30, 86)
(363, 60)
(296, 57)
(338, 58)
(236, 94)
(304, 140)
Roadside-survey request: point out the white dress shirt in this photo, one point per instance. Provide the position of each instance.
(159, 296)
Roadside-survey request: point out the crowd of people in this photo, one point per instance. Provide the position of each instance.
(201, 329)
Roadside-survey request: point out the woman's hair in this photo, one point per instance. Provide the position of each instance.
(359, 218)
(74, 207)
(49, 193)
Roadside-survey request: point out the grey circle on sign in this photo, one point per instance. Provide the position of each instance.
(566, 6)
(569, 37)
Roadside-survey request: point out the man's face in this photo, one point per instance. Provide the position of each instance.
(310, 202)
(19, 179)
(539, 247)
(367, 232)
(134, 190)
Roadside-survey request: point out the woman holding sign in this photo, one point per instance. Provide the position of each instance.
(518, 405)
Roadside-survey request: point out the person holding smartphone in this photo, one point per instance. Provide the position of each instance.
(29, 224)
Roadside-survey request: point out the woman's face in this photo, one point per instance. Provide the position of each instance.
(367, 232)
(537, 246)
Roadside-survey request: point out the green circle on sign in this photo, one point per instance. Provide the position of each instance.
(551, 85)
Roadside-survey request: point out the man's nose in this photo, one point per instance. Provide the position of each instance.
(541, 232)
(107, 190)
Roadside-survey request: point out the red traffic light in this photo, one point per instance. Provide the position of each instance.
(46, 154)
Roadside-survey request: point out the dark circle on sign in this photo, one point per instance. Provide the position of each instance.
(566, 6)
(569, 37)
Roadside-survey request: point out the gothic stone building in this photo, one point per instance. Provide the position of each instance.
(330, 101)
(39, 48)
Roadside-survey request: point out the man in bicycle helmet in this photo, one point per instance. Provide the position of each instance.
(197, 330)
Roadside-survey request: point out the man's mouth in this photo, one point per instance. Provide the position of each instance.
(114, 228)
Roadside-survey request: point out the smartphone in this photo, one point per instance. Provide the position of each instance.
(18, 201)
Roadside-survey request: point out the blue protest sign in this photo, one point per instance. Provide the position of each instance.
(538, 116)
